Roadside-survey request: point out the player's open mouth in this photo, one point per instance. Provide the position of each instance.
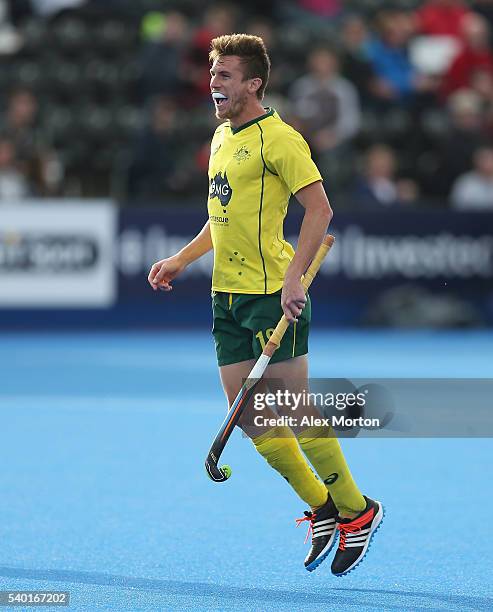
(219, 99)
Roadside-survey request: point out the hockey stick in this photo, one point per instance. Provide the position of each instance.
(223, 473)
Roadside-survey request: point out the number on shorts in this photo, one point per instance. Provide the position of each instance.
(264, 338)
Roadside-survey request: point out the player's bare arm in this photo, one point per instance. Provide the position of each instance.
(318, 214)
(166, 270)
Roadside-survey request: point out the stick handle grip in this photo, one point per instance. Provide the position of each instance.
(306, 281)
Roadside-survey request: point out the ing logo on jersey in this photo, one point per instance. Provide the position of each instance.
(242, 154)
(221, 189)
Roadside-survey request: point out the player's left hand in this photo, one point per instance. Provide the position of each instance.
(293, 299)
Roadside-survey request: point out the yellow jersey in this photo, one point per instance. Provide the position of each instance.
(253, 170)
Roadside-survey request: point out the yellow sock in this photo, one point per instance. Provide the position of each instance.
(324, 452)
(280, 449)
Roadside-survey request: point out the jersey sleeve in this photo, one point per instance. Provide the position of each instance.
(217, 135)
(288, 155)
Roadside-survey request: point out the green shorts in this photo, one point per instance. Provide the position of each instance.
(243, 324)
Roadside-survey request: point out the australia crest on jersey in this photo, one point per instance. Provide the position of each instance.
(242, 154)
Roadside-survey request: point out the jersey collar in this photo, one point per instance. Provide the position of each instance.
(269, 113)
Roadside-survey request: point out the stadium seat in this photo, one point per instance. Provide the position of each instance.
(34, 35)
(70, 34)
(28, 74)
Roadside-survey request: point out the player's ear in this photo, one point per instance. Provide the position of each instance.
(254, 85)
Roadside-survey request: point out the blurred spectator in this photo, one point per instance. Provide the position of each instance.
(407, 191)
(475, 55)
(482, 84)
(13, 185)
(355, 65)
(326, 103)
(21, 118)
(38, 162)
(397, 80)
(218, 19)
(161, 59)
(474, 190)
(439, 28)
(441, 17)
(377, 186)
(484, 8)
(154, 160)
(463, 136)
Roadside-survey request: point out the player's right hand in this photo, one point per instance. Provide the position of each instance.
(163, 272)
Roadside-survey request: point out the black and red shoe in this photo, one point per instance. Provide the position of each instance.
(355, 536)
(322, 526)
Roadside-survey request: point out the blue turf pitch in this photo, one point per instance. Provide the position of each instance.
(103, 491)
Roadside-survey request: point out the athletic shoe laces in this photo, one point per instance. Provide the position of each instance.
(309, 516)
(353, 526)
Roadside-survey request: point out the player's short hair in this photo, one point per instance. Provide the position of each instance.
(252, 52)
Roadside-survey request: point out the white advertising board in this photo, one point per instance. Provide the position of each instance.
(57, 254)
